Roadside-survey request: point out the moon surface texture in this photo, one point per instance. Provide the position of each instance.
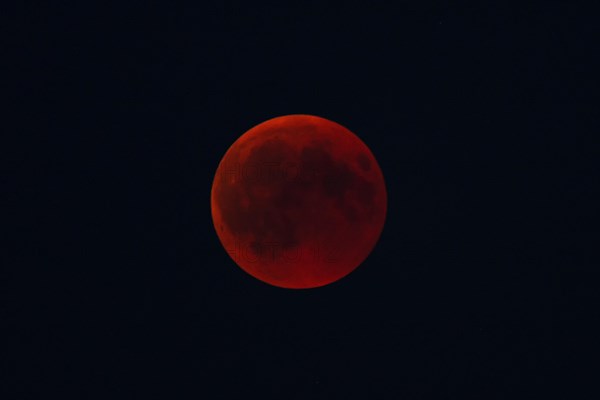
(298, 201)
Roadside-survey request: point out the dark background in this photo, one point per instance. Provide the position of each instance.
(480, 117)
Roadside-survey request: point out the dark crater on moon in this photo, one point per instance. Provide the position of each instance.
(364, 162)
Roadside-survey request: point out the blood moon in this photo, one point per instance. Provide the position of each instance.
(298, 201)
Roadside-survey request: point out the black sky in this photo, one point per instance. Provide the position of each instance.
(481, 120)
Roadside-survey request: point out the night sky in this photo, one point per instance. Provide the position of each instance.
(481, 119)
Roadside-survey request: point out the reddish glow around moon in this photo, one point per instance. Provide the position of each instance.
(298, 201)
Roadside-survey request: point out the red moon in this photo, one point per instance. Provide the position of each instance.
(298, 201)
